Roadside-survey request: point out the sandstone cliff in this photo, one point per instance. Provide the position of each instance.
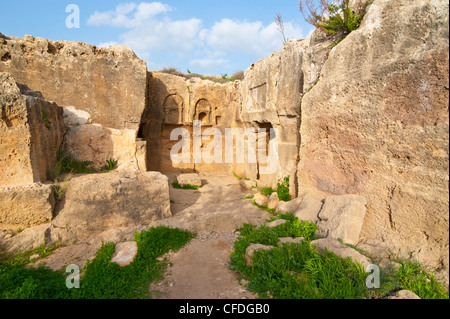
(31, 132)
(367, 117)
(377, 124)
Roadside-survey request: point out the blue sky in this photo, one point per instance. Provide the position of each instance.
(207, 37)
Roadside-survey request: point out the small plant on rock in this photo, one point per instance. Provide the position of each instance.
(337, 18)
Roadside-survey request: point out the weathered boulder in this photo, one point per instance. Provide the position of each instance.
(342, 217)
(86, 141)
(340, 250)
(404, 294)
(31, 132)
(22, 207)
(273, 201)
(125, 253)
(261, 200)
(26, 240)
(290, 206)
(96, 203)
(309, 209)
(377, 124)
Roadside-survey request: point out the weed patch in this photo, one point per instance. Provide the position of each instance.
(298, 271)
(187, 186)
(101, 279)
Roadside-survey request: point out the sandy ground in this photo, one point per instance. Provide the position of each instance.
(200, 270)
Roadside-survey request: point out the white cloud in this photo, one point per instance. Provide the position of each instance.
(180, 36)
(209, 64)
(250, 37)
(128, 15)
(151, 30)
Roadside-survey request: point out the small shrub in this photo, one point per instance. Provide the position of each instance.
(238, 75)
(110, 165)
(61, 187)
(283, 189)
(267, 191)
(65, 164)
(45, 119)
(413, 276)
(334, 17)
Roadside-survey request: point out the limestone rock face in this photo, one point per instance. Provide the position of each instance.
(98, 202)
(175, 102)
(23, 207)
(271, 98)
(31, 132)
(377, 124)
(87, 141)
(109, 83)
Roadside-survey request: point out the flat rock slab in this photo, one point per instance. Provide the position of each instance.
(340, 250)
(125, 253)
(289, 207)
(250, 252)
(342, 216)
(276, 223)
(404, 294)
(308, 209)
(189, 179)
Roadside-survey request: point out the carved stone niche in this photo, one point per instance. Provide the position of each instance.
(173, 109)
(203, 112)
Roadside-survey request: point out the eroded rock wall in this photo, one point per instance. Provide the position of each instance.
(31, 132)
(377, 124)
(175, 102)
(107, 83)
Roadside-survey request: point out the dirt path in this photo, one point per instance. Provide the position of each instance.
(200, 270)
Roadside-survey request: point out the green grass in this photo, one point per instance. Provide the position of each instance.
(282, 190)
(187, 186)
(298, 271)
(294, 271)
(66, 164)
(101, 279)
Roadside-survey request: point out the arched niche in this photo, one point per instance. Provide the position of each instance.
(173, 109)
(203, 112)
